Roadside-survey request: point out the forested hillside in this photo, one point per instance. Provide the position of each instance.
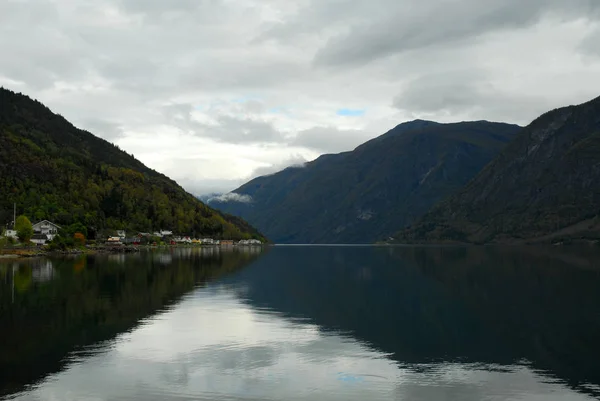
(54, 171)
(544, 187)
(364, 196)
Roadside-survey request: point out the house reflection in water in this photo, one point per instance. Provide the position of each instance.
(208, 252)
(163, 258)
(117, 258)
(42, 270)
(251, 250)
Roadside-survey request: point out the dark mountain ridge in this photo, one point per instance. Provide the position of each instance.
(55, 171)
(542, 187)
(364, 195)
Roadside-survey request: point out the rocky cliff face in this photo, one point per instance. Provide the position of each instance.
(545, 186)
(365, 195)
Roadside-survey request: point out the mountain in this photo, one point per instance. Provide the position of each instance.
(55, 171)
(544, 187)
(366, 194)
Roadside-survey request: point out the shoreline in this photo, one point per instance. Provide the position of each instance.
(39, 252)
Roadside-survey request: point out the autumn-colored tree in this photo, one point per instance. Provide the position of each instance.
(79, 238)
(24, 228)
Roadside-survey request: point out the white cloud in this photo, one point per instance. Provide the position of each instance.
(231, 197)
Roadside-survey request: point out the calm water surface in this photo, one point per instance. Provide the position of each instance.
(303, 323)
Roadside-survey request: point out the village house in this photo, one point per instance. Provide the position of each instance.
(183, 240)
(131, 240)
(10, 234)
(121, 233)
(47, 228)
(226, 242)
(114, 241)
(249, 242)
(39, 239)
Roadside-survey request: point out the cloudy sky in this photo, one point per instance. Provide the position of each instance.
(214, 92)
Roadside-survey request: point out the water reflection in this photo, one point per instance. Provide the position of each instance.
(424, 306)
(51, 307)
(326, 323)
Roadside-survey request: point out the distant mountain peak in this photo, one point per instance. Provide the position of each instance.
(366, 194)
(542, 188)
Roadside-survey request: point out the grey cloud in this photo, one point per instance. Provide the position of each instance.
(253, 73)
(296, 161)
(591, 44)
(112, 65)
(175, 47)
(105, 129)
(440, 22)
(467, 92)
(243, 130)
(229, 129)
(330, 139)
(160, 7)
(40, 55)
(253, 106)
(316, 17)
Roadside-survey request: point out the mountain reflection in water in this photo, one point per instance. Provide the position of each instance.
(322, 323)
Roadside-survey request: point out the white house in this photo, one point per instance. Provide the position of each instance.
(185, 240)
(164, 233)
(114, 241)
(40, 239)
(249, 242)
(121, 233)
(10, 233)
(47, 228)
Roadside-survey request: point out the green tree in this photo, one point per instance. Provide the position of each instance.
(24, 228)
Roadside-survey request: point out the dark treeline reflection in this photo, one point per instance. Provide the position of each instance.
(424, 305)
(51, 307)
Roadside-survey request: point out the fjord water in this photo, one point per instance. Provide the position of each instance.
(303, 323)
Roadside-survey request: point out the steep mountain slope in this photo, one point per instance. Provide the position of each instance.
(545, 186)
(364, 195)
(55, 171)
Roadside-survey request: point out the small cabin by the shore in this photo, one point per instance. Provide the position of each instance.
(114, 241)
